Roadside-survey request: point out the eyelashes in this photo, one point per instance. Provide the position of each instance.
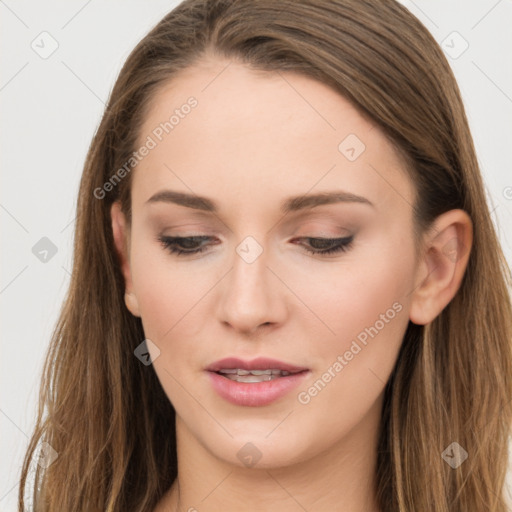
(190, 245)
(328, 245)
(172, 244)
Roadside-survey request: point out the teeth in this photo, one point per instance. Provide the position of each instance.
(252, 378)
(259, 372)
(239, 375)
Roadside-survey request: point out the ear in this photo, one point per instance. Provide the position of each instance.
(121, 233)
(443, 261)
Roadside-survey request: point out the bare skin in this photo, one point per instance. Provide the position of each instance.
(254, 140)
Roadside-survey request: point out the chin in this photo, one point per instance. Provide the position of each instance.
(259, 450)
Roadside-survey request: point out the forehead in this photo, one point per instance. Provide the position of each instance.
(254, 134)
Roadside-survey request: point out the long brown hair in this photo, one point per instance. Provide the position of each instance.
(106, 415)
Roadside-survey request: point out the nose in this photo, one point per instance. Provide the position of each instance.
(251, 296)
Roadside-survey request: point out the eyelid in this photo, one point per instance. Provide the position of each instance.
(341, 245)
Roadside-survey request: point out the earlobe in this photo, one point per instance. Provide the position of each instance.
(120, 232)
(443, 264)
(131, 303)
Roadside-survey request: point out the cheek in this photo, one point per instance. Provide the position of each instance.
(365, 305)
(367, 310)
(351, 296)
(164, 293)
(174, 297)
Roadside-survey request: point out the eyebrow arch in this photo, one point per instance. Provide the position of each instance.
(308, 201)
(292, 204)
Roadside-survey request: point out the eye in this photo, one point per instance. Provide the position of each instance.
(189, 244)
(183, 245)
(328, 245)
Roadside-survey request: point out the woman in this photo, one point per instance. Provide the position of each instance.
(287, 290)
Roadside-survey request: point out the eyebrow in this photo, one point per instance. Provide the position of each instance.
(292, 204)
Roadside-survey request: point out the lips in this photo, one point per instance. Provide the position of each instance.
(260, 363)
(239, 375)
(254, 383)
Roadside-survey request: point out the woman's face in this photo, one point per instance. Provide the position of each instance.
(248, 142)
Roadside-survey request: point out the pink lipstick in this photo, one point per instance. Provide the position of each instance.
(254, 383)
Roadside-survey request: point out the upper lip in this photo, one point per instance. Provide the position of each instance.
(260, 363)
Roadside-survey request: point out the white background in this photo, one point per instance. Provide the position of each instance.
(51, 108)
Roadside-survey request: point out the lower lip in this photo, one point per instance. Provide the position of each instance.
(255, 394)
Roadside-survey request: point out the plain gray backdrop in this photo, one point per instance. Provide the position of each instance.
(59, 63)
